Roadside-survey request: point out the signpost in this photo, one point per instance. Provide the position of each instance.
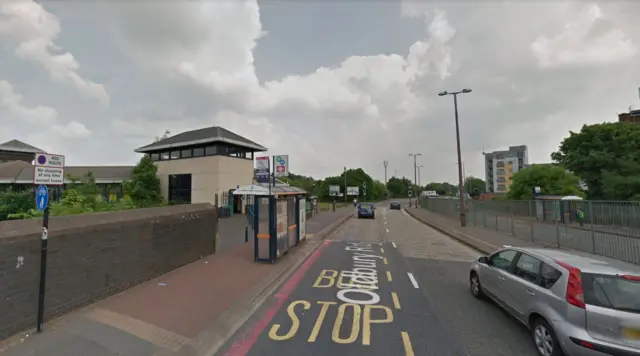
(353, 191)
(48, 170)
(281, 166)
(262, 169)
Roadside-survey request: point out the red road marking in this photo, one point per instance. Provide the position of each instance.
(243, 346)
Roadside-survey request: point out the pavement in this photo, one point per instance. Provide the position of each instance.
(488, 232)
(385, 286)
(192, 310)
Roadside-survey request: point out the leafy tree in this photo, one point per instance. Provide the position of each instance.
(606, 157)
(165, 135)
(474, 186)
(398, 187)
(552, 180)
(144, 186)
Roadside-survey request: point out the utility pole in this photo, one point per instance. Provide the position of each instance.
(345, 186)
(463, 205)
(386, 163)
(415, 170)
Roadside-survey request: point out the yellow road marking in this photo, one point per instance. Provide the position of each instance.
(384, 259)
(389, 276)
(408, 349)
(396, 301)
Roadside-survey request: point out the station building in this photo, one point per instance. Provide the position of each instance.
(193, 167)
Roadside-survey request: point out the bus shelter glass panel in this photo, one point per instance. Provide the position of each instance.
(302, 218)
(292, 229)
(262, 235)
(281, 226)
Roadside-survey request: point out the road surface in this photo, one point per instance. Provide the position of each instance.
(389, 286)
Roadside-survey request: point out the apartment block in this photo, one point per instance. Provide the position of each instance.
(500, 166)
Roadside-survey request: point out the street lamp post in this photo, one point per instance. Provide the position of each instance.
(415, 171)
(463, 205)
(386, 163)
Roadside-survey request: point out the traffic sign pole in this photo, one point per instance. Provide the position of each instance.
(44, 242)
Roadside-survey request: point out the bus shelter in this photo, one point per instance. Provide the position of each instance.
(276, 219)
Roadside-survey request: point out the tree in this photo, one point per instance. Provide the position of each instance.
(474, 186)
(14, 204)
(606, 157)
(164, 136)
(552, 180)
(398, 187)
(144, 186)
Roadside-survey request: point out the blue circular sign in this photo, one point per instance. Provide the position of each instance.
(42, 159)
(280, 160)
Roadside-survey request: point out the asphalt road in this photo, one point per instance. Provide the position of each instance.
(416, 280)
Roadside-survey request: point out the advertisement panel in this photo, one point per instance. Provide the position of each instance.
(334, 190)
(353, 191)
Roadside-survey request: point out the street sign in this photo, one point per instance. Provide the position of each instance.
(334, 190)
(48, 169)
(281, 165)
(262, 169)
(353, 191)
(42, 197)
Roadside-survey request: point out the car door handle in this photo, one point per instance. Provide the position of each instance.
(530, 292)
(501, 278)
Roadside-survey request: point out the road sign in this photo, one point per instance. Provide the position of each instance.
(42, 197)
(281, 165)
(48, 169)
(262, 169)
(334, 190)
(353, 191)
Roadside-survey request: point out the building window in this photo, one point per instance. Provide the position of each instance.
(249, 155)
(500, 179)
(186, 153)
(175, 154)
(500, 172)
(501, 187)
(211, 150)
(500, 164)
(164, 156)
(179, 189)
(198, 152)
(155, 156)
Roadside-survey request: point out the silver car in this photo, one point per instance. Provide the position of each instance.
(574, 303)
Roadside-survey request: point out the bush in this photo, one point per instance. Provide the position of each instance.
(16, 203)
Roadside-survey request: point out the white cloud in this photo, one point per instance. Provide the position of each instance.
(13, 102)
(577, 44)
(34, 31)
(185, 65)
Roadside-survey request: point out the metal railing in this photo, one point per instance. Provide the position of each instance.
(608, 228)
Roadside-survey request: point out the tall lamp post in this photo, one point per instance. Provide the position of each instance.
(463, 205)
(386, 163)
(415, 171)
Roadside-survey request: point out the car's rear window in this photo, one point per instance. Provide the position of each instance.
(365, 206)
(613, 292)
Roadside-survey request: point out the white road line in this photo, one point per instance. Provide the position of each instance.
(394, 244)
(387, 230)
(413, 280)
(385, 223)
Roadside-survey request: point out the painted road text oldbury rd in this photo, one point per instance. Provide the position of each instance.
(349, 302)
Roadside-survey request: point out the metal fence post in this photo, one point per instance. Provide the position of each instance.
(593, 231)
(513, 228)
(557, 233)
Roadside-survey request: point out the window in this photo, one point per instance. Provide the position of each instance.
(198, 152)
(500, 179)
(211, 150)
(186, 153)
(611, 291)
(175, 154)
(549, 276)
(503, 259)
(249, 155)
(528, 268)
(155, 156)
(502, 188)
(500, 164)
(180, 189)
(164, 156)
(500, 172)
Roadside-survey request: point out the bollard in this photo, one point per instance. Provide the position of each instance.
(334, 206)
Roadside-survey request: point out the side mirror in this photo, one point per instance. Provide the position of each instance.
(484, 260)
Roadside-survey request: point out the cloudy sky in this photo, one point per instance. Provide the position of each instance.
(331, 83)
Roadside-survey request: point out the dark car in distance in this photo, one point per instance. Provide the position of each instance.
(395, 205)
(366, 210)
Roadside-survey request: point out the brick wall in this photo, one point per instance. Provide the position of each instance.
(93, 256)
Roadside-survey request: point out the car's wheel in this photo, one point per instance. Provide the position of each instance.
(475, 286)
(544, 337)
